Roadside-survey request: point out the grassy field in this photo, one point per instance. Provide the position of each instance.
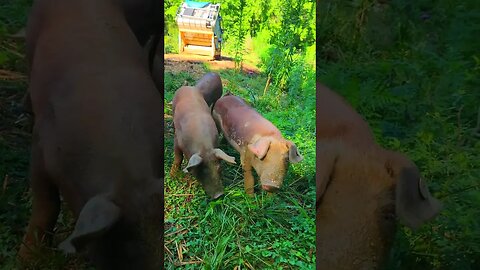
(238, 232)
(412, 69)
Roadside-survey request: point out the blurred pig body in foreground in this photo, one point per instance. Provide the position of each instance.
(196, 137)
(144, 19)
(97, 137)
(260, 144)
(361, 188)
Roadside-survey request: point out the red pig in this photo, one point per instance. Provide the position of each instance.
(260, 144)
(361, 188)
(196, 137)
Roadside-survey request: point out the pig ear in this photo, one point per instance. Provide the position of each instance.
(260, 147)
(97, 216)
(293, 154)
(414, 203)
(194, 160)
(220, 154)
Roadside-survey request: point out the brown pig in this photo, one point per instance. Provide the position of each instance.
(196, 137)
(210, 85)
(97, 136)
(361, 188)
(144, 19)
(259, 142)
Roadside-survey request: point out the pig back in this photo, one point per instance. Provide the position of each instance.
(194, 126)
(210, 85)
(188, 99)
(240, 122)
(337, 119)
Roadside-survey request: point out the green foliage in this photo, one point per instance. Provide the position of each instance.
(235, 20)
(289, 39)
(13, 15)
(411, 69)
(171, 28)
(14, 141)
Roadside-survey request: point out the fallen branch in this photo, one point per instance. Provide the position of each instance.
(172, 233)
(179, 195)
(185, 263)
(179, 252)
(167, 250)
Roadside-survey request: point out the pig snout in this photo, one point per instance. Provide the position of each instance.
(270, 186)
(215, 192)
(218, 195)
(272, 174)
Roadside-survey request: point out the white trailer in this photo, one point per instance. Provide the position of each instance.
(199, 28)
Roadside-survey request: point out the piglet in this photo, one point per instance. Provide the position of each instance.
(259, 142)
(196, 137)
(97, 141)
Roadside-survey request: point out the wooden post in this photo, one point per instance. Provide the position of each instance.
(213, 46)
(181, 43)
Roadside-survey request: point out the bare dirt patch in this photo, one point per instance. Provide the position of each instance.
(189, 62)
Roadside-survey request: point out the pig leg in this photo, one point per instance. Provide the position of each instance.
(178, 157)
(45, 209)
(245, 159)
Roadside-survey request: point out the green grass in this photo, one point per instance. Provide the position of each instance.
(14, 136)
(264, 232)
(171, 39)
